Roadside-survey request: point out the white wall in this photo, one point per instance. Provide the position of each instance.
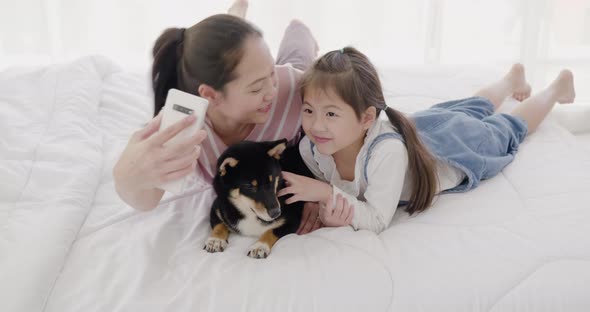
(544, 34)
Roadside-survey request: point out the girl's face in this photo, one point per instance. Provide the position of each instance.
(330, 123)
(248, 98)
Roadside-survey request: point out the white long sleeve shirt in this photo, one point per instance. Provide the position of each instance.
(376, 198)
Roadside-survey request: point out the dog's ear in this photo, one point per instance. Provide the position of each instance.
(276, 148)
(230, 161)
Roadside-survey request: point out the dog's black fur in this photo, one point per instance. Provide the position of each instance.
(247, 181)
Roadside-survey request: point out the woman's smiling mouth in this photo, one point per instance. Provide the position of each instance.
(266, 108)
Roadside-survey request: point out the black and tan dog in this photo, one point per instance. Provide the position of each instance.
(247, 181)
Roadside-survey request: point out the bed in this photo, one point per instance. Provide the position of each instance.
(519, 242)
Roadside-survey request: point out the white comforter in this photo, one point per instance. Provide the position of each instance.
(521, 241)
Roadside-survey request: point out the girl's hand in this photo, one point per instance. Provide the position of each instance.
(339, 214)
(305, 189)
(146, 163)
(310, 221)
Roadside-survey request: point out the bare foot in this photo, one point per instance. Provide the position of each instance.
(522, 90)
(239, 8)
(564, 87)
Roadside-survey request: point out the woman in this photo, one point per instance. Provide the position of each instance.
(225, 60)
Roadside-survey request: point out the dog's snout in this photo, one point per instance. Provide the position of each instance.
(274, 212)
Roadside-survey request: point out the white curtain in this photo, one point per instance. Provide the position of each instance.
(545, 35)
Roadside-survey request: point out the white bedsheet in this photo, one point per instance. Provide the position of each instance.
(521, 241)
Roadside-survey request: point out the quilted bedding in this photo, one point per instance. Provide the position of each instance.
(519, 242)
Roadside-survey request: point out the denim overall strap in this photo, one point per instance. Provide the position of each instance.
(379, 138)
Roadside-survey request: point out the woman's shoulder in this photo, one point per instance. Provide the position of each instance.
(288, 99)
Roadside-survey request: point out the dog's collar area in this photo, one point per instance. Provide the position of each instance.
(263, 221)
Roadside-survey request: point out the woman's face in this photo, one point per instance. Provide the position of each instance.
(248, 98)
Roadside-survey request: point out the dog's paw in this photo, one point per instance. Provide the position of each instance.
(215, 244)
(259, 250)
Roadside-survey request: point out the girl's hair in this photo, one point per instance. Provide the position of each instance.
(350, 75)
(206, 53)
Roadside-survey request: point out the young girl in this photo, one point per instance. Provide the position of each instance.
(370, 166)
(225, 59)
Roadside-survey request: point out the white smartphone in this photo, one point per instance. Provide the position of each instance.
(179, 105)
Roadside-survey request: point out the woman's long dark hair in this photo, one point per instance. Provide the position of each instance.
(206, 53)
(350, 75)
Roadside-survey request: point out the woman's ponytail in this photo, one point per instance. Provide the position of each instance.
(167, 53)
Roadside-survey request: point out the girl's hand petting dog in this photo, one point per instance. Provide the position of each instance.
(336, 214)
(305, 189)
(332, 214)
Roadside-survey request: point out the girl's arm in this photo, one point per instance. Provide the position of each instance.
(386, 173)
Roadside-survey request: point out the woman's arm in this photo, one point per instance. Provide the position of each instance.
(143, 200)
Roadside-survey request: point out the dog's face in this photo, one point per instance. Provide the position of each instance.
(249, 174)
